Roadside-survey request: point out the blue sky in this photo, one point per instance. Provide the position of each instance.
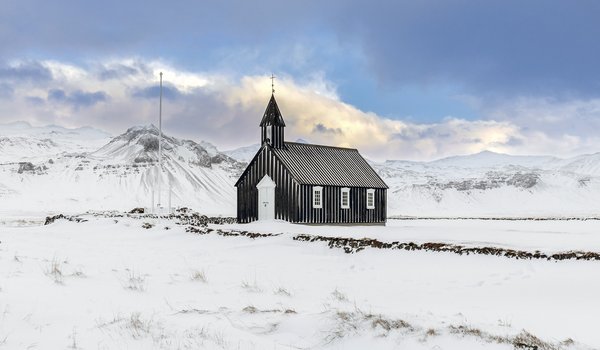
(528, 66)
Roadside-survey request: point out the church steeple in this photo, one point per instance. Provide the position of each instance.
(272, 125)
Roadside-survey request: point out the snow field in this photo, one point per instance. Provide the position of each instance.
(110, 284)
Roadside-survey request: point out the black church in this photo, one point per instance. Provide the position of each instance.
(306, 183)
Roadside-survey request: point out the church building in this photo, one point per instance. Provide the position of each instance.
(305, 183)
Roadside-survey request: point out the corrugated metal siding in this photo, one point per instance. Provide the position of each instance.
(333, 213)
(265, 163)
(330, 166)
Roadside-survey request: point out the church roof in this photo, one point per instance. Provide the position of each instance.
(272, 114)
(328, 166)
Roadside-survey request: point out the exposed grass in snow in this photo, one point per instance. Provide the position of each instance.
(58, 270)
(135, 281)
(353, 323)
(523, 340)
(339, 296)
(55, 271)
(251, 286)
(199, 276)
(282, 291)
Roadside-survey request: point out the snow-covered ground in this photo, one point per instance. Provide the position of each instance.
(110, 284)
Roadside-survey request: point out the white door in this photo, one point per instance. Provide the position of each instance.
(266, 198)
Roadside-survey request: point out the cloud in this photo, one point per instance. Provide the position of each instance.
(320, 128)
(34, 100)
(6, 91)
(77, 98)
(498, 47)
(226, 111)
(117, 70)
(28, 71)
(552, 116)
(153, 92)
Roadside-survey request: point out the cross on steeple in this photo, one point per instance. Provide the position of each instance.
(273, 83)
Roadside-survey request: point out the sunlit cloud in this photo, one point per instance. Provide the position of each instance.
(226, 110)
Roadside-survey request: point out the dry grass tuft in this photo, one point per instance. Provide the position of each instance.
(387, 325)
(250, 309)
(339, 296)
(251, 286)
(135, 282)
(431, 332)
(199, 276)
(55, 272)
(138, 326)
(526, 340)
(282, 291)
(523, 340)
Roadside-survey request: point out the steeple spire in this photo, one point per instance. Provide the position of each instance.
(272, 114)
(272, 124)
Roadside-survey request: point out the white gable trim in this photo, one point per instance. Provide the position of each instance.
(266, 182)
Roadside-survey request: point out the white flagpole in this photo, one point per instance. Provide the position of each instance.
(160, 142)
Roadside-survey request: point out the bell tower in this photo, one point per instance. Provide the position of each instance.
(272, 125)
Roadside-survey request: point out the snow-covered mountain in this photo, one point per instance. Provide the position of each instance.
(244, 154)
(20, 141)
(492, 184)
(58, 169)
(121, 174)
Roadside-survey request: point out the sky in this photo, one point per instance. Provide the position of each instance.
(415, 80)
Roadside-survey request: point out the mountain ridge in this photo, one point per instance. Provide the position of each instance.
(122, 174)
(66, 170)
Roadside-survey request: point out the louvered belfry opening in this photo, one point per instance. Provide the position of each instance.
(272, 126)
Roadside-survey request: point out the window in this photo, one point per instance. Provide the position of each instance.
(370, 198)
(345, 198)
(317, 197)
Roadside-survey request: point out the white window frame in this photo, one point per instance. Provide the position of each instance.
(371, 192)
(319, 190)
(342, 191)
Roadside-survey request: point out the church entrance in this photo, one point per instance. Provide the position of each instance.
(266, 198)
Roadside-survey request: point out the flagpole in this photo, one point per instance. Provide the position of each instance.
(160, 142)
